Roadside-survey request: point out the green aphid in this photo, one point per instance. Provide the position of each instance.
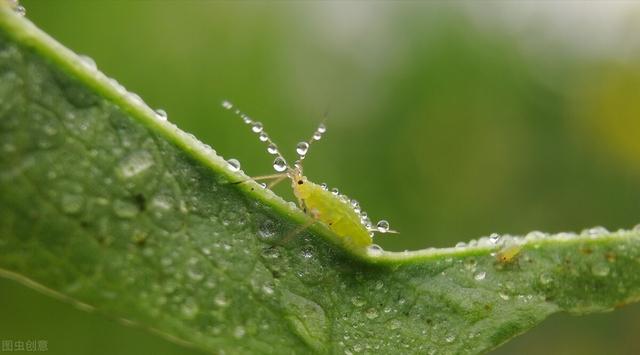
(336, 211)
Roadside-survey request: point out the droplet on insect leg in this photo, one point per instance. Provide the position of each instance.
(383, 226)
(302, 148)
(226, 104)
(256, 127)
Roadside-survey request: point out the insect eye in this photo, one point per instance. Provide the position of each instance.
(300, 182)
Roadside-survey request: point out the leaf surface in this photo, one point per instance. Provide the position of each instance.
(109, 207)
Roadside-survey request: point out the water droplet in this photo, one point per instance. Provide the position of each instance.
(335, 191)
(394, 324)
(379, 285)
(545, 278)
(494, 238)
(189, 309)
(479, 276)
(71, 203)
(371, 313)
(267, 289)
(317, 136)
(307, 319)
(267, 230)
(308, 252)
(302, 148)
(279, 164)
(595, 231)
(239, 332)
(324, 186)
(256, 127)
(220, 300)
(20, 10)
(233, 164)
(161, 114)
(88, 62)
(263, 137)
(374, 250)
(357, 301)
(272, 149)
(322, 128)
(194, 271)
(383, 226)
(450, 338)
(504, 296)
(226, 104)
(263, 185)
(125, 209)
(600, 269)
(135, 164)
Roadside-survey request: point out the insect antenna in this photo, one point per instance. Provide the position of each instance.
(279, 163)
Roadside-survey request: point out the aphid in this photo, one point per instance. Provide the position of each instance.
(336, 211)
(509, 254)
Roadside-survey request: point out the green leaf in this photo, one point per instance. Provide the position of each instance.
(107, 206)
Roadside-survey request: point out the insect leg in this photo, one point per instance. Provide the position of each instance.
(262, 177)
(277, 181)
(375, 230)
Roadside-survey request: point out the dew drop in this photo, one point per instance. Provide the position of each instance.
(279, 164)
(161, 114)
(595, 231)
(335, 191)
(134, 164)
(267, 230)
(233, 164)
(263, 185)
(479, 276)
(394, 324)
(256, 127)
(226, 104)
(504, 296)
(263, 137)
(20, 10)
(71, 204)
(450, 338)
(600, 269)
(239, 332)
(383, 226)
(322, 128)
(189, 309)
(324, 186)
(125, 209)
(357, 301)
(317, 136)
(247, 119)
(308, 252)
(494, 238)
(374, 250)
(371, 313)
(302, 148)
(545, 278)
(88, 62)
(220, 300)
(272, 149)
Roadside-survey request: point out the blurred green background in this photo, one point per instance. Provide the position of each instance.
(452, 121)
